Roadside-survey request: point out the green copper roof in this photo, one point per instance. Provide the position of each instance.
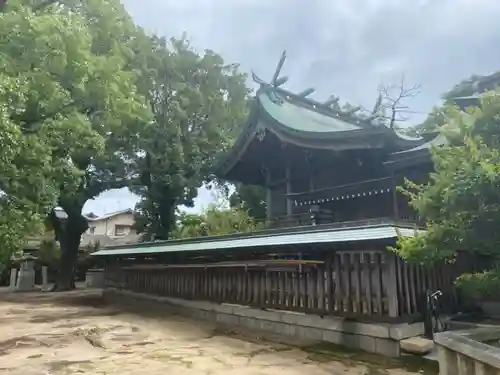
(305, 123)
(303, 119)
(256, 240)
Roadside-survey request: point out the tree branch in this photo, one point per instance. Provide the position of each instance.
(392, 98)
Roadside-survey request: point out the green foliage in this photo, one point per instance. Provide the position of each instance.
(471, 86)
(461, 203)
(480, 286)
(434, 121)
(49, 253)
(38, 124)
(197, 101)
(70, 112)
(215, 221)
(475, 84)
(251, 199)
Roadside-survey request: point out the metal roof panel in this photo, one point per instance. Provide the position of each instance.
(302, 238)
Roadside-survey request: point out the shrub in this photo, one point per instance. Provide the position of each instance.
(481, 285)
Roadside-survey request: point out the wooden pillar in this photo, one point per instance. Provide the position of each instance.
(289, 203)
(392, 284)
(311, 182)
(269, 201)
(395, 208)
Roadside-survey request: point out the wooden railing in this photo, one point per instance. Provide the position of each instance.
(306, 219)
(288, 221)
(373, 285)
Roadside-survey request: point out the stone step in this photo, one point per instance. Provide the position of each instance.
(417, 345)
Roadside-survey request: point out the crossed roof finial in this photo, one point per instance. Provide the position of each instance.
(276, 79)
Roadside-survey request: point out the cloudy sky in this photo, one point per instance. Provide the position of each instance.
(341, 47)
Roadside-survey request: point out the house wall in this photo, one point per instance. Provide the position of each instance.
(107, 226)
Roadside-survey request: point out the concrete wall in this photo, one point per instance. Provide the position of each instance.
(380, 338)
(468, 352)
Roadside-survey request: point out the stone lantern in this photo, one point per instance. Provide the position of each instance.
(23, 279)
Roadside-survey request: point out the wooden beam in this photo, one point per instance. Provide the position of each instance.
(259, 263)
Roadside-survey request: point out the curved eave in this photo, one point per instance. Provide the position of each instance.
(412, 159)
(229, 160)
(415, 156)
(402, 142)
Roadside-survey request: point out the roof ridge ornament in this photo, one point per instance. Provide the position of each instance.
(273, 90)
(276, 81)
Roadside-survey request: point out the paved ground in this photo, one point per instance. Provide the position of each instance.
(73, 333)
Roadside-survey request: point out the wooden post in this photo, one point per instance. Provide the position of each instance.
(395, 208)
(347, 270)
(288, 179)
(392, 285)
(378, 282)
(367, 272)
(321, 289)
(329, 284)
(357, 275)
(269, 197)
(296, 288)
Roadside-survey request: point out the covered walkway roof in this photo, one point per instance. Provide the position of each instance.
(321, 234)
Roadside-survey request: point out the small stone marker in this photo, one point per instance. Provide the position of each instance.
(13, 279)
(26, 276)
(45, 278)
(417, 345)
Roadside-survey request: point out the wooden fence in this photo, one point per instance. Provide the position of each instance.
(373, 285)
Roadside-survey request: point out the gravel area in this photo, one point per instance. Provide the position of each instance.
(74, 333)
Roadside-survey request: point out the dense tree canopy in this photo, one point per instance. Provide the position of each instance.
(71, 111)
(198, 101)
(251, 199)
(39, 124)
(215, 221)
(475, 84)
(461, 203)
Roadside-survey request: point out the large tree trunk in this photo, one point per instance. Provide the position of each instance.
(69, 233)
(166, 220)
(67, 262)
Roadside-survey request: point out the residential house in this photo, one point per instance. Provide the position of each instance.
(115, 224)
(112, 228)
